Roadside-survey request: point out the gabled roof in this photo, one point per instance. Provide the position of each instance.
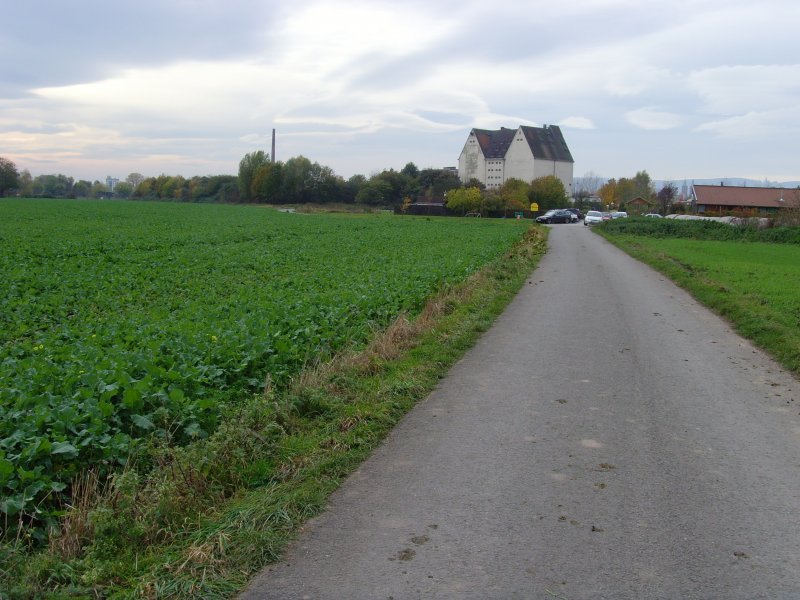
(494, 143)
(546, 143)
(756, 197)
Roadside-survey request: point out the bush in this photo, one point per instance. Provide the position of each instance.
(701, 230)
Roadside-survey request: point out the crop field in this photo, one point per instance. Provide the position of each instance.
(124, 321)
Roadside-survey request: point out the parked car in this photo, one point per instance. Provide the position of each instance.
(606, 216)
(555, 216)
(654, 215)
(575, 212)
(543, 218)
(620, 214)
(593, 217)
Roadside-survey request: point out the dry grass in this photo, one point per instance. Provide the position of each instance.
(88, 491)
(387, 345)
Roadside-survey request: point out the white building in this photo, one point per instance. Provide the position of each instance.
(527, 153)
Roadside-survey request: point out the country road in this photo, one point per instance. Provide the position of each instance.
(608, 437)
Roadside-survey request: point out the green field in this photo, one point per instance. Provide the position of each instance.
(756, 285)
(123, 322)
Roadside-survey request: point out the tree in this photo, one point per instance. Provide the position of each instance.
(475, 182)
(352, 186)
(9, 176)
(608, 193)
(620, 192)
(375, 192)
(643, 185)
(665, 197)
(123, 190)
(266, 186)
(464, 200)
(587, 187)
(435, 183)
(174, 188)
(25, 183)
(82, 188)
(52, 186)
(145, 188)
(322, 184)
(247, 170)
(99, 189)
(626, 190)
(514, 195)
(411, 170)
(296, 177)
(134, 179)
(400, 186)
(548, 192)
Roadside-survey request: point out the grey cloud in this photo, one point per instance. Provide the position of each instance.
(56, 43)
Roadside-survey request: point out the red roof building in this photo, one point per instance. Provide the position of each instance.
(726, 199)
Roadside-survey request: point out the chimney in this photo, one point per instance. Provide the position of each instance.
(273, 144)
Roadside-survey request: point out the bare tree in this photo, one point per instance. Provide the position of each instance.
(587, 186)
(665, 197)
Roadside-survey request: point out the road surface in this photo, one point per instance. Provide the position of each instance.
(608, 437)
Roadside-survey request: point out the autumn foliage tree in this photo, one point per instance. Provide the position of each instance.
(514, 194)
(248, 167)
(464, 200)
(548, 192)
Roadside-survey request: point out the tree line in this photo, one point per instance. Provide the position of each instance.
(619, 192)
(299, 180)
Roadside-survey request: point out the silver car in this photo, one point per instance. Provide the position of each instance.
(593, 217)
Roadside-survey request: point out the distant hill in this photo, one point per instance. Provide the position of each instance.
(734, 181)
(678, 183)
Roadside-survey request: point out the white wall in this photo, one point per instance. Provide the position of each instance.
(471, 162)
(564, 173)
(519, 159)
(495, 173)
(562, 170)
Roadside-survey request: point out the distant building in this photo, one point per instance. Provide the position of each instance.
(526, 153)
(111, 183)
(638, 206)
(725, 199)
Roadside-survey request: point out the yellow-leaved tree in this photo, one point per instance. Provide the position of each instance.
(464, 200)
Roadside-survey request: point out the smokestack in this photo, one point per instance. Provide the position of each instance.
(273, 144)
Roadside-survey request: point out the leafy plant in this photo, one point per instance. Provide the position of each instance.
(132, 326)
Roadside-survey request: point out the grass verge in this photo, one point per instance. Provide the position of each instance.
(200, 520)
(755, 285)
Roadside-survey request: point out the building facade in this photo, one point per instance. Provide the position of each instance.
(526, 153)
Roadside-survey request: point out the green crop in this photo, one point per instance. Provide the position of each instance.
(124, 321)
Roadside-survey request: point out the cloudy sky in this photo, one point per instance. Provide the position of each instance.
(680, 88)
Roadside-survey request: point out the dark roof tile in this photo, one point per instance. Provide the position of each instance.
(546, 143)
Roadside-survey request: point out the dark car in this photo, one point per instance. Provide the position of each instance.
(576, 212)
(555, 216)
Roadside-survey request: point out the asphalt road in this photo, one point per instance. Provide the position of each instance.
(607, 438)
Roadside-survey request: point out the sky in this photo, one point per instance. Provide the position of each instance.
(680, 88)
